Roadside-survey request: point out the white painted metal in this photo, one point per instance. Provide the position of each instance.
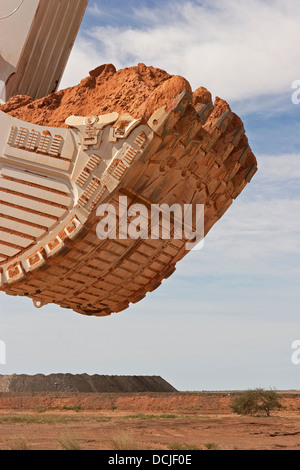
(16, 17)
(51, 179)
(36, 38)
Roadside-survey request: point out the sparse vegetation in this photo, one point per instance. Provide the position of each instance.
(177, 446)
(76, 408)
(18, 443)
(124, 441)
(103, 419)
(141, 416)
(212, 446)
(173, 423)
(68, 442)
(256, 401)
(39, 409)
(152, 416)
(38, 419)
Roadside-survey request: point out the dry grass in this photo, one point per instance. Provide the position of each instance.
(178, 446)
(68, 442)
(36, 419)
(124, 441)
(212, 446)
(18, 443)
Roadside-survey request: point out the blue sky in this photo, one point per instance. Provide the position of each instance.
(229, 315)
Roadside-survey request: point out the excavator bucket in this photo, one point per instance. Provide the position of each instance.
(56, 185)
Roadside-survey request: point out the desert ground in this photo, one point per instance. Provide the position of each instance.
(144, 421)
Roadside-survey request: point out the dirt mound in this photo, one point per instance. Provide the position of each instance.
(83, 383)
(105, 90)
(138, 90)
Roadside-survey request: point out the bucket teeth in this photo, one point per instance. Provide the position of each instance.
(53, 183)
(163, 121)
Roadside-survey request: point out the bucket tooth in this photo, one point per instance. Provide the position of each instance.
(164, 119)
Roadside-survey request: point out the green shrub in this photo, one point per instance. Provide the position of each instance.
(256, 401)
(76, 408)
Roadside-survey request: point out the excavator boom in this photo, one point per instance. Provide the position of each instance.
(36, 38)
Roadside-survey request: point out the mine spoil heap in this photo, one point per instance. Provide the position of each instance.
(148, 137)
(83, 383)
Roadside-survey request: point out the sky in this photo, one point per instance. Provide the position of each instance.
(227, 319)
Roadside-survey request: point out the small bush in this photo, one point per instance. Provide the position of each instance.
(76, 408)
(68, 442)
(18, 443)
(212, 446)
(39, 409)
(256, 401)
(124, 441)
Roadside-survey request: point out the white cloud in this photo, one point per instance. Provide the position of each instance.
(261, 229)
(280, 168)
(238, 49)
(94, 9)
(84, 57)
